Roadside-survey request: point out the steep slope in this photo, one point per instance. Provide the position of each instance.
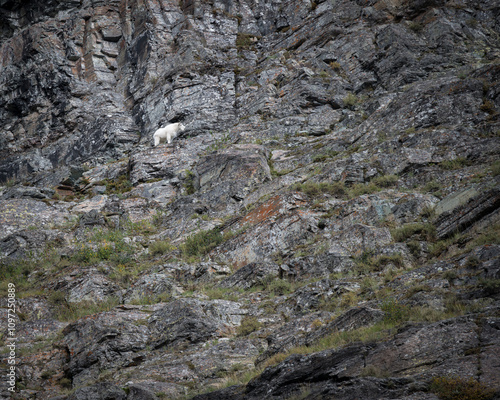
(326, 227)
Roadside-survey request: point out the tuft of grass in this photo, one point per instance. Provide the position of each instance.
(119, 185)
(376, 332)
(248, 325)
(416, 27)
(385, 181)
(202, 243)
(454, 388)
(431, 187)
(395, 312)
(490, 235)
(350, 100)
(69, 312)
(189, 182)
(426, 230)
(456, 163)
(161, 247)
(314, 189)
(495, 168)
(245, 40)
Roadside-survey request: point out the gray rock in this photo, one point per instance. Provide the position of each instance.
(465, 215)
(99, 391)
(192, 321)
(150, 286)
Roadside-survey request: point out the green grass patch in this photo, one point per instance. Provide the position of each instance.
(201, 243)
(458, 388)
(314, 189)
(68, 312)
(457, 163)
(350, 100)
(248, 325)
(161, 247)
(395, 312)
(385, 181)
(117, 186)
(427, 231)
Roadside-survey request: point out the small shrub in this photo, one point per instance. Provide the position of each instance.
(189, 182)
(488, 107)
(118, 185)
(456, 163)
(373, 370)
(279, 287)
(495, 168)
(46, 374)
(385, 181)
(349, 299)
(245, 40)
(455, 388)
(416, 27)
(490, 286)
(313, 189)
(161, 247)
(57, 298)
(202, 243)
(426, 230)
(65, 383)
(359, 189)
(248, 325)
(335, 66)
(350, 100)
(381, 261)
(395, 312)
(472, 262)
(431, 187)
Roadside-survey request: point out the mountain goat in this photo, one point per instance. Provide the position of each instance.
(169, 132)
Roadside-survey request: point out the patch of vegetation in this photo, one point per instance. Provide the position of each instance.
(454, 388)
(245, 40)
(15, 271)
(324, 156)
(220, 143)
(104, 245)
(441, 246)
(456, 163)
(374, 370)
(335, 66)
(276, 286)
(376, 332)
(119, 185)
(490, 235)
(495, 168)
(144, 227)
(488, 107)
(416, 27)
(189, 182)
(314, 189)
(431, 187)
(68, 312)
(350, 100)
(395, 312)
(427, 231)
(202, 243)
(248, 325)
(367, 262)
(359, 189)
(489, 286)
(161, 247)
(220, 293)
(385, 181)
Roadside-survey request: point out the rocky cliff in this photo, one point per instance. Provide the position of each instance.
(327, 226)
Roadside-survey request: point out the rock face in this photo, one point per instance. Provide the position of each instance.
(326, 226)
